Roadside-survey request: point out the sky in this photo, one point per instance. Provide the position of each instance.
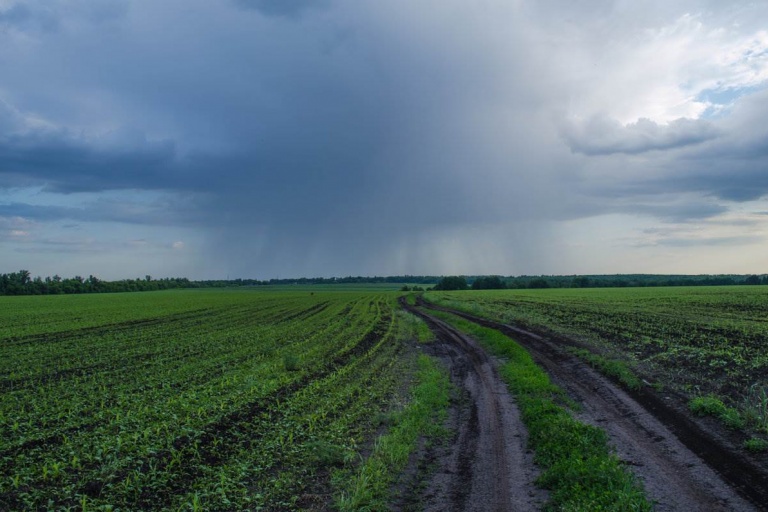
(288, 138)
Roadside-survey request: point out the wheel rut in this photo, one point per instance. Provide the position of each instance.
(487, 467)
(667, 452)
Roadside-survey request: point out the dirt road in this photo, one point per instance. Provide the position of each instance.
(488, 468)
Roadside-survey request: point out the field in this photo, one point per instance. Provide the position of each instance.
(193, 400)
(705, 342)
(336, 398)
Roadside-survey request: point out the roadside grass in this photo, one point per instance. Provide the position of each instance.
(576, 461)
(751, 416)
(368, 489)
(756, 445)
(711, 405)
(755, 407)
(413, 327)
(614, 368)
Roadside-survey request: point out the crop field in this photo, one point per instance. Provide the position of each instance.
(701, 341)
(191, 400)
(312, 398)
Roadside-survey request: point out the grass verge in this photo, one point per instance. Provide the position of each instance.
(369, 488)
(614, 368)
(577, 465)
(751, 418)
(711, 405)
(413, 327)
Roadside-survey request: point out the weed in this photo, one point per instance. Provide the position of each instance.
(619, 370)
(708, 405)
(756, 445)
(711, 405)
(733, 419)
(755, 407)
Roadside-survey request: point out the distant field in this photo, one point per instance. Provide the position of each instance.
(697, 339)
(190, 400)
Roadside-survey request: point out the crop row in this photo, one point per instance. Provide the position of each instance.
(223, 408)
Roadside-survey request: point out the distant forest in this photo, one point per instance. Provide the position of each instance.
(594, 281)
(22, 283)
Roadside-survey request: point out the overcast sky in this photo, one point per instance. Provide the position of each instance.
(287, 138)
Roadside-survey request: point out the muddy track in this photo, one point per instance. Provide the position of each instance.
(487, 467)
(682, 466)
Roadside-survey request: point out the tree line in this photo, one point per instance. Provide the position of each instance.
(22, 283)
(594, 281)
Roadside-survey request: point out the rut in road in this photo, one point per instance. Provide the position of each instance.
(488, 467)
(675, 478)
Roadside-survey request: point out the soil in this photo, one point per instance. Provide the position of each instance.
(683, 466)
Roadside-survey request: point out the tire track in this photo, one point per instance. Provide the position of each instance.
(488, 467)
(681, 468)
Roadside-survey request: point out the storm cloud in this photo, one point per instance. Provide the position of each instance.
(345, 137)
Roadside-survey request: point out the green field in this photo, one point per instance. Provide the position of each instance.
(696, 340)
(278, 398)
(193, 400)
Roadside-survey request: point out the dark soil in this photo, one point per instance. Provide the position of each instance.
(683, 464)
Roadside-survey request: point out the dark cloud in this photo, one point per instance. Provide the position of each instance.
(64, 163)
(160, 212)
(731, 167)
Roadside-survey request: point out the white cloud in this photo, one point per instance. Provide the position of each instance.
(600, 135)
(729, 228)
(660, 72)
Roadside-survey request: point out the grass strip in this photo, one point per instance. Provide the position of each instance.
(414, 328)
(619, 370)
(576, 461)
(710, 405)
(369, 488)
